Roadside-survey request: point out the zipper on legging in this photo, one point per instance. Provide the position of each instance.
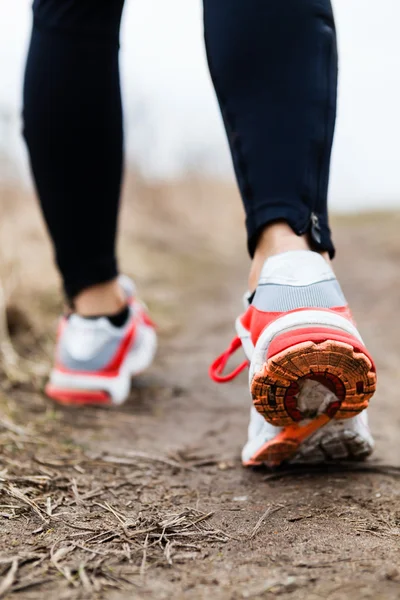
(312, 226)
(315, 229)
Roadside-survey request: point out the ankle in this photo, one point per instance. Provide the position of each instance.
(101, 299)
(276, 239)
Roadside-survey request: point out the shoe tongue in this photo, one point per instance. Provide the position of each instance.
(298, 267)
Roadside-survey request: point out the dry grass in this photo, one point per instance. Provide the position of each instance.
(85, 517)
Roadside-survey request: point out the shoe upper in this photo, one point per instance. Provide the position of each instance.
(289, 282)
(96, 345)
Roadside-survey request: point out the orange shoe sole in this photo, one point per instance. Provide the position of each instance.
(285, 445)
(340, 363)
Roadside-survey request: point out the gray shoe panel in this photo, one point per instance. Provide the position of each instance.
(100, 359)
(100, 340)
(283, 298)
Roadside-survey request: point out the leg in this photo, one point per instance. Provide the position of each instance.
(73, 128)
(274, 67)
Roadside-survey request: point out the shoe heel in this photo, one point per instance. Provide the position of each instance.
(333, 358)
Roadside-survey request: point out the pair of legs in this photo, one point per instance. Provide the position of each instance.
(274, 68)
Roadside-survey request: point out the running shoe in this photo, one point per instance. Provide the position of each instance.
(307, 362)
(95, 360)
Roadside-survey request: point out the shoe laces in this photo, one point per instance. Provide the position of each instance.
(218, 366)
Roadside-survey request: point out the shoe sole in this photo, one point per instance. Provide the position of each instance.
(316, 445)
(337, 360)
(71, 397)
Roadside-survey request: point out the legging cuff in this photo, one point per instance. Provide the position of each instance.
(86, 275)
(297, 215)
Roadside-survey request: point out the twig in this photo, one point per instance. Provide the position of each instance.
(87, 529)
(9, 578)
(144, 559)
(111, 533)
(9, 426)
(75, 491)
(110, 509)
(270, 510)
(84, 578)
(55, 557)
(167, 552)
(49, 508)
(200, 519)
(29, 583)
(91, 551)
(16, 493)
(126, 460)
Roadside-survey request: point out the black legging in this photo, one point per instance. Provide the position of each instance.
(274, 67)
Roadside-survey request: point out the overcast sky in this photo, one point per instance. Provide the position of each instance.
(172, 118)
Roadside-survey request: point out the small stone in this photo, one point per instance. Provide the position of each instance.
(290, 584)
(391, 573)
(224, 466)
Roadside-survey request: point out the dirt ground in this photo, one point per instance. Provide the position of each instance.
(150, 500)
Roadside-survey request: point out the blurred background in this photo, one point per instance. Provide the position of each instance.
(173, 125)
(179, 169)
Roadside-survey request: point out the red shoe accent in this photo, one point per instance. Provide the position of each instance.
(70, 397)
(220, 363)
(148, 321)
(316, 335)
(256, 321)
(113, 367)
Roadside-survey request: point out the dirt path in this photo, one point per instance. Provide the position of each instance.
(150, 500)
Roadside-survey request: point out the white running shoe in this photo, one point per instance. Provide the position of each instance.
(310, 375)
(95, 360)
